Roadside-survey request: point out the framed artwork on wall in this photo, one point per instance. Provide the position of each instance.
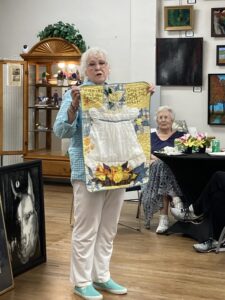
(220, 55)
(218, 22)
(178, 17)
(216, 99)
(6, 276)
(21, 190)
(179, 61)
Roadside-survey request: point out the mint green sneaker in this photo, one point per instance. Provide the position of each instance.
(88, 292)
(111, 287)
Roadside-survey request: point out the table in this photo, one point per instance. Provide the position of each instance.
(192, 172)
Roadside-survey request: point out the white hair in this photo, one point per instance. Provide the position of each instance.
(86, 55)
(167, 108)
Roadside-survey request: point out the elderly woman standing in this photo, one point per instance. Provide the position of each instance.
(162, 187)
(96, 214)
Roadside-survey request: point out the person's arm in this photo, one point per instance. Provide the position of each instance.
(151, 88)
(74, 105)
(66, 120)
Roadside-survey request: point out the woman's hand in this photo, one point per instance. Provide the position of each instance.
(153, 157)
(74, 105)
(151, 88)
(75, 94)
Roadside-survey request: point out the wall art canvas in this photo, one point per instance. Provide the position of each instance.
(178, 17)
(216, 99)
(179, 61)
(14, 74)
(220, 55)
(116, 135)
(6, 276)
(218, 22)
(22, 197)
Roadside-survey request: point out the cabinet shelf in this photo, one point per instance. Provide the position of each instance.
(44, 107)
(41, 130)
(49, 85)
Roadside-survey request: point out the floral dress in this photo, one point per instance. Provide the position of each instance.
(161, 180)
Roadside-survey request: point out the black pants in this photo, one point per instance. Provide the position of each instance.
(212, 203)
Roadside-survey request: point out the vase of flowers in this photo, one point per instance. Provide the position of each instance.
(199, 142)
(74, 78)
(203, 141)
(185, 143)
(61, 77)
(188, 150)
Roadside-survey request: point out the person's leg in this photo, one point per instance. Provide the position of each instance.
(218, 213)
(216, 222)
(106, 233)
(165, 209)
(87, 217)
(104, 242)
(163, 217)
(204, 202)
(203, 205)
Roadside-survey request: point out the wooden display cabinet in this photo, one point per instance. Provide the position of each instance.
(42, 102)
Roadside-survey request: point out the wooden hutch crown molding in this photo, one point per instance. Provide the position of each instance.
(52, 49)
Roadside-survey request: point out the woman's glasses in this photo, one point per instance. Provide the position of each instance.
(93, 65)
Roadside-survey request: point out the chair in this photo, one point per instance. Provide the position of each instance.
(221, 241)
(138, 213)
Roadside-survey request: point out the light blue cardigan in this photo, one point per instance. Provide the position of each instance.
(63, 129)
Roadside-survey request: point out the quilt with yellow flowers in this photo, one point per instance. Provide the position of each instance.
(116, 135)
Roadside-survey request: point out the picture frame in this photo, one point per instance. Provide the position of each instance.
(217, 22)
(220, 55)
(6, 275)
(179, 61)
(216, 99)
(178, 17)
(21, 190)
(14, 74)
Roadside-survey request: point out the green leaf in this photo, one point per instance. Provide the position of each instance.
(64, 30)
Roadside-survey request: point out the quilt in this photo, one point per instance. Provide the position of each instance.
(116, 135)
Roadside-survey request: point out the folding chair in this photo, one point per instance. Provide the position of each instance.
(221, 240)
(137, 199)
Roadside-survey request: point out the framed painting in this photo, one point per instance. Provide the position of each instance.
(22, 197)
(178, 17)
(116, 135)
(6, 276)
(216, 99)
(179, 61)
(218, 22)
(220, 55)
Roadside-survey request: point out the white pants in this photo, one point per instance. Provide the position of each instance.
(96, 216)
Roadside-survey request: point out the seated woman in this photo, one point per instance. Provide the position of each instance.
(211, 205)
(162, 187)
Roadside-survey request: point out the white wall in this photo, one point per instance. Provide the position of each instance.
(189, 105)
(127, 30)
(124, 28)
